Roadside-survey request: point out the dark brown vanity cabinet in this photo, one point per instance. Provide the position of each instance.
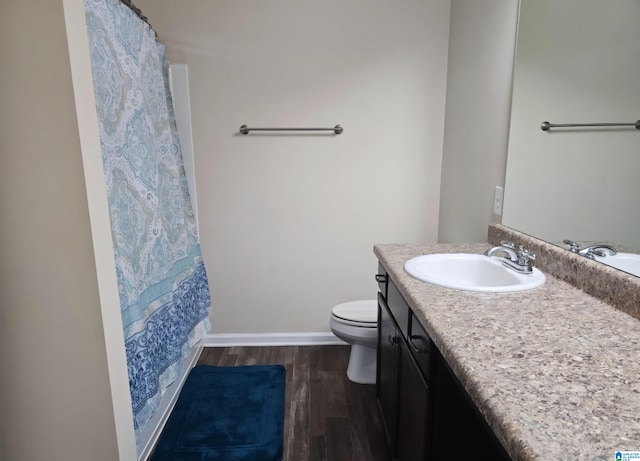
(402, 389)
(388, 355)
(425, 411)
(413, 442)
(457, 422)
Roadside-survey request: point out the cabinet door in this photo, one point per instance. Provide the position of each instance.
(414, 430)
(386, 371)
(457, 422)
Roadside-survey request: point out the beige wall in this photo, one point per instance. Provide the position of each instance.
(54, 386)
(288, 222)
(481, 48)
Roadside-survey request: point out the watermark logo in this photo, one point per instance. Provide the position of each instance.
(627, 456)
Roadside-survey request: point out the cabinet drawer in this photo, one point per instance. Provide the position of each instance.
(399, 308)
(421, 346)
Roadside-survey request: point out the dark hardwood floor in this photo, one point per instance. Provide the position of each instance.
(327, 417)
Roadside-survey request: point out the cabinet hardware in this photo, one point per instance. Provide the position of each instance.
(393, 340)
(381, 278)
(416, 349)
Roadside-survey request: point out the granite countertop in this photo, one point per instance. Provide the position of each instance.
(554, 371)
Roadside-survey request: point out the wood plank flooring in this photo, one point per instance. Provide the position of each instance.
(327, 417)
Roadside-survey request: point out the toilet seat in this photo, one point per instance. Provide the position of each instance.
(363, 314)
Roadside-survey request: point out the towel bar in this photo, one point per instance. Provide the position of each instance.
(244, 129)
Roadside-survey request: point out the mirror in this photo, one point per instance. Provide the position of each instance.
(576, 62)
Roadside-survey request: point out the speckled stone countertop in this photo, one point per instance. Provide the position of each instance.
(554, 371)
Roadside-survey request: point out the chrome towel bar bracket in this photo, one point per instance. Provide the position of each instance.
(244, 129)
(546, 126)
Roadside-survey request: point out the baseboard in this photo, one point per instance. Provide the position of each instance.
(272, 339)
(153, 428)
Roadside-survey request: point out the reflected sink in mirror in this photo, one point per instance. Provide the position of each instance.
(471, 272)
(628, 262)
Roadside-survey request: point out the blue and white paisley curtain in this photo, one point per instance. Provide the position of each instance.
(164, 294)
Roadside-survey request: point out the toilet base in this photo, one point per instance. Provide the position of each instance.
(362, 364)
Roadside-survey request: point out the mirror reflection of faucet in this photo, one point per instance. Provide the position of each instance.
(519, 261)
(591, 251)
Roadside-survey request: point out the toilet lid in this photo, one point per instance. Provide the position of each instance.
(357, 311)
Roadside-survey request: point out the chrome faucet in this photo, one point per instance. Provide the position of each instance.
(519, 261)
(591, 251)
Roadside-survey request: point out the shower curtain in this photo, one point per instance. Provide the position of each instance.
(163, 288)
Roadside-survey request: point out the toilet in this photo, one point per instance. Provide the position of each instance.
(356, 323)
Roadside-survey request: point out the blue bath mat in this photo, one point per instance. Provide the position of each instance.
(226, 414)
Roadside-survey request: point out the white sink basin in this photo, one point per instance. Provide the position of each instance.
(471, 272)
(628, 262)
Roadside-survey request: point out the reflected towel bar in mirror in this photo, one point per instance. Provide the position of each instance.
(546, 126)
(244, 129)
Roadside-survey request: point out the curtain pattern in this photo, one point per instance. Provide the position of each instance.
(163, 288)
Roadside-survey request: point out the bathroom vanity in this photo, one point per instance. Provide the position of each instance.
(425, 411)
(550, 373)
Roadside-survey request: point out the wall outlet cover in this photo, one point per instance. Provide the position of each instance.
(497, 200)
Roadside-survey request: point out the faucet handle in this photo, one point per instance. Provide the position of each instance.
(507, 244)
(574, 247)
(525, 255)
(525, 258)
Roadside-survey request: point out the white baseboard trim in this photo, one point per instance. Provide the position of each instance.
(153, 428)
(272, 339)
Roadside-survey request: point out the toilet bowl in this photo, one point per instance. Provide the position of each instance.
(356, 323)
